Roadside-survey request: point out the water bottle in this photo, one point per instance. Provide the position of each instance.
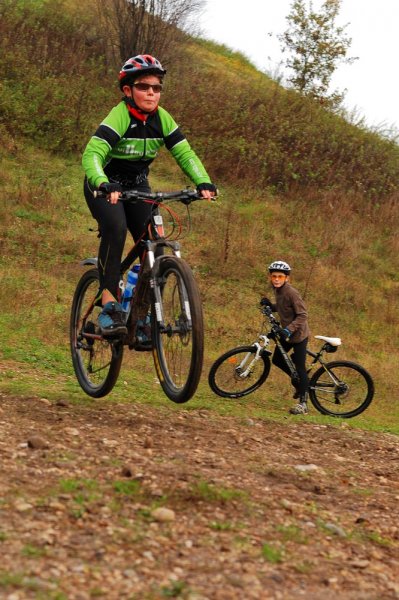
(131, 282)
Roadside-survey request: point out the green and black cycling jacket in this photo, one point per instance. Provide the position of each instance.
(124, 146)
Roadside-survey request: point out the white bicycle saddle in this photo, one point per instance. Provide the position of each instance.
(329, 340)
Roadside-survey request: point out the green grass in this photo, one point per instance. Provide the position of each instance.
(202, 490)
(39, 272)
(127, 488)
(272, 554)
(32, 551)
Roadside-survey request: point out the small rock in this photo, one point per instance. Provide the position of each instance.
(45, 401)
(360, 564)
(147, 442)
(163, 515)
(287, 505)
(362, 520)
(72, 431)
(62, 403)
(110, 443)
(37, 443)
(130, 574)
(22, 506)
(335, 529)
(128, 470)
(307, 468)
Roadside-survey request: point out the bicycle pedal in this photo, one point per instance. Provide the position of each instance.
(141, 346)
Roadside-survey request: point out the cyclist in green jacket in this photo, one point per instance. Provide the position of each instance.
(294, 331)
(118, 157)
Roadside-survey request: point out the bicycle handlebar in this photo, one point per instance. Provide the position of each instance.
(275, 324)
(267, 311)
(185, 196)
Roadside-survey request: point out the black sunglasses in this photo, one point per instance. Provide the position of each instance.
(144, 87)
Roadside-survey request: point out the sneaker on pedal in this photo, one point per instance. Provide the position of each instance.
(299, 409)
(302, 407)
(143, 334)
(111, 320)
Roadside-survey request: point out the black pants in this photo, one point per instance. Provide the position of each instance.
(299, 359)
(114, 220)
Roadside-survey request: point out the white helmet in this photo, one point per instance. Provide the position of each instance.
(280, 265)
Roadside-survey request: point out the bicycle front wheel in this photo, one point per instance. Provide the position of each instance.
(239, 372)
(341, 389)
(177, 330)
(96, 361)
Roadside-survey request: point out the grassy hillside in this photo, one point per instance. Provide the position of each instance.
(45, 233)
(297, 183)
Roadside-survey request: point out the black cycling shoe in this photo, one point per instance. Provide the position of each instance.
(143, 334)
(111, 320)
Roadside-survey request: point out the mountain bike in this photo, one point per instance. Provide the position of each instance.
(340, 389)
(166, 296)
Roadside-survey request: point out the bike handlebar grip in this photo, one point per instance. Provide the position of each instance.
(99, 194)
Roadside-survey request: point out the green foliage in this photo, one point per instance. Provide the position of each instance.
(127, 488)
(249, 130)
(174, 590)
(292, 533)
(315, 46)
(260, 134)
(32, 551)
(47, 90)
(223, 50)
(271, 554)
(212, 493)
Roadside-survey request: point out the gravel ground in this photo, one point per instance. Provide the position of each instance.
(131, 502)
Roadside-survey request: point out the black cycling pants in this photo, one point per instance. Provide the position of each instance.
(114, 220)
(299, 359)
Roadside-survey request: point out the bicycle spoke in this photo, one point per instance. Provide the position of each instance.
(238, 372)
(178, 342)
(96, 361)
(341, 389)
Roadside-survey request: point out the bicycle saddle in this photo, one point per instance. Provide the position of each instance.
(329, 340)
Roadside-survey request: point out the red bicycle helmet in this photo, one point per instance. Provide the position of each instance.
(139, 65)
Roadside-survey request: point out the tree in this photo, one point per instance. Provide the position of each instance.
(145, 26)
(315, 46)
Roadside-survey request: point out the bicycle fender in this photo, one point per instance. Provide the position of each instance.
(89, 261)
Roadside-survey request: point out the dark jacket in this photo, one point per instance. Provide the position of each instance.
(292, 312)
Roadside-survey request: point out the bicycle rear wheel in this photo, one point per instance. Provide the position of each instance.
(238, 372)
(178, 341)
(341, 389)
(96, 361)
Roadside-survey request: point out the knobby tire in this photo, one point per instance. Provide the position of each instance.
(178, 347)
(349, 398)
(96, 362)
(224, 377)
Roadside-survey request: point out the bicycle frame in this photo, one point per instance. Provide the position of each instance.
(261, 346)
(263, 342)
(154, 227)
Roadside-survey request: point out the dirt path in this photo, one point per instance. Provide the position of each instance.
(128, 502)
